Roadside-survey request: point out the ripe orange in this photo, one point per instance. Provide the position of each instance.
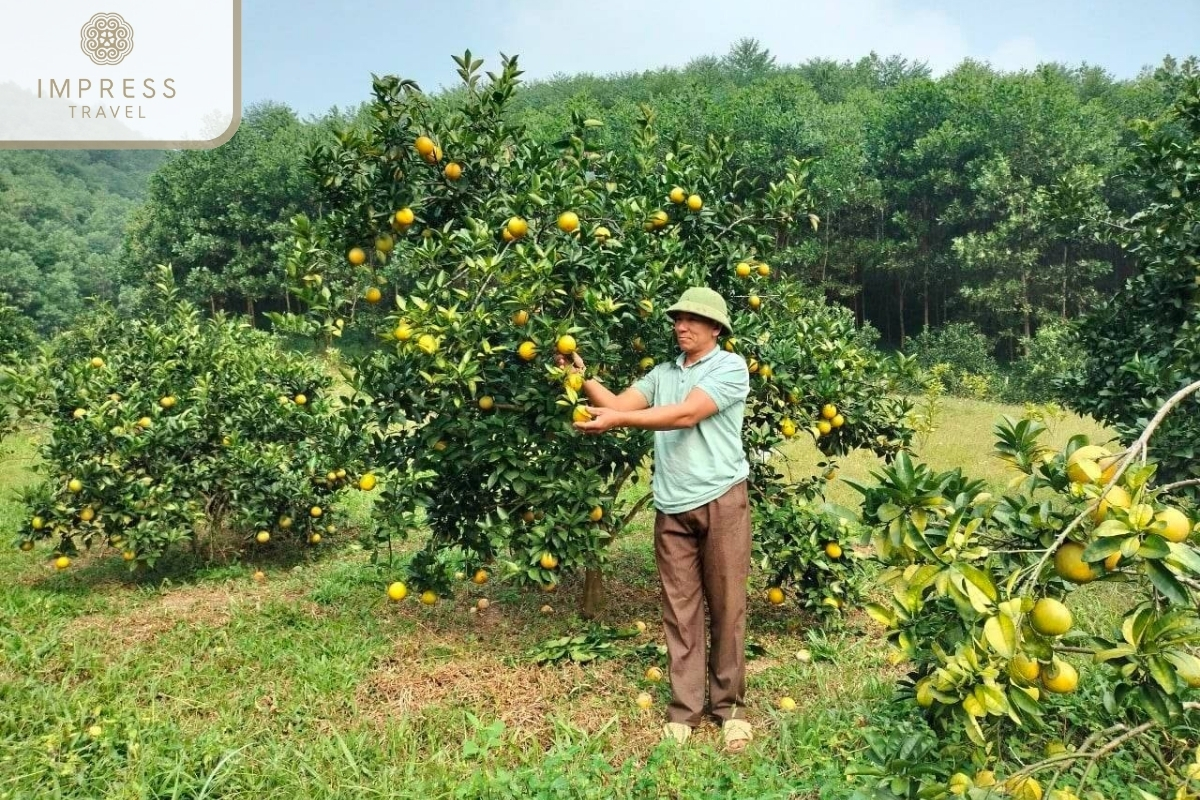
(1060, 677)
(506, 236)
(397, 592)
(384, 244)
(787, 704)
(829, 411)
(775, 595)
(263, 537)
(75, 486)
(1174, 523)
(833, 550)
(486, 403)
(755, 302)
(1050, 617)
(527, 350)
(596, 514)
(824, 427)
(574, 382)
(517, 227)
(602, 234)
(404, 217)
(357, 256)
(654, 674)
(144, 423)
(694, 202)
(300, 400)
(403, 332)
(1116, 496)
(646, 363)
(129, 555)
(644, 701)
(429, 597)
(520, 318)
(1069, 564)
(373, 295)
(580, 414)
(677, 195)
(285, 522)
(453, 171)
(566, 344)
(480, 577)
(548, 561)
(87, 514)
(38, 523)
(764, 270)
(787, 428)
(1024, 667)
(315, 512)
(568, 222)
(314, 538)
(658, 219)
(97, 362)
(424, 145)
(62, 562)
(837, 421)
(742, 269)
(167, 402)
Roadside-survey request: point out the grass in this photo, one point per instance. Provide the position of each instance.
(203, 683)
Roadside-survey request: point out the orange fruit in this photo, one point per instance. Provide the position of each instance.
(548, 561)
(602, 234)
(263, 537)
(384, 244)
(787, 428)
(764, 270)
(829, 411)
(837, 421)
(527, 350)
(167, 402)
(520, 317)
(566, 344)
(404, 217)
(373, 295)
(677, 195)
(1060, 677)
(429, 597)
(300, 400)
(580, 414)
(517, 227)
(755, 302)
(403, 332)
(486, 403)
(97, 362)
(596, 514)
(357, 256)
(453, 171)
(694, 202)
(824, 427)
(1050, 617)
(315, 512)
(427, 343)
(62, 562)
(1175, 524)
(743, 270)
(1069, 564)
(775, 595)
(75, 486)
(658, 219)
(833, 550)
(397, 591)
(366, 482)
(480, 577)
(568, 222)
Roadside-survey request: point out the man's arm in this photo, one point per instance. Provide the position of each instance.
(696, 406)
(629, 400)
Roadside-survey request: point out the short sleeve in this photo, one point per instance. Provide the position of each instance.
(647, 384)
(727, 382)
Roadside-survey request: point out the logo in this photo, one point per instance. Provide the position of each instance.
(106, 39)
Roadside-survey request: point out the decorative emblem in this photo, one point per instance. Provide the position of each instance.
(106, 39)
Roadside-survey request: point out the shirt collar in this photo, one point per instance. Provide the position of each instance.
(679, 359)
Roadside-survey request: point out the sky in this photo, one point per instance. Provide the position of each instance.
(314, 55)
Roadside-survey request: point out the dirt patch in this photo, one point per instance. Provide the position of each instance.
(528, 698)
(210, 607)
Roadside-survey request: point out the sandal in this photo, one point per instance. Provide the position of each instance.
(677, 731)
(737, 734)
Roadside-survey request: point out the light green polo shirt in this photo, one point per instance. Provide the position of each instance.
(694, 466)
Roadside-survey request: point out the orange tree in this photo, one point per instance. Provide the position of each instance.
(171, 428)
(473, 256)
(982, 606)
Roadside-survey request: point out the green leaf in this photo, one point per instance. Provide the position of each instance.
(1001, 635)
(1162, 672)
(888, 512)
(980, 580)
(1184, 557)
(1154, 547)
(1166, 583)
(880, 614)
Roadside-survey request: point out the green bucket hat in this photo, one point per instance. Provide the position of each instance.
(703, 302)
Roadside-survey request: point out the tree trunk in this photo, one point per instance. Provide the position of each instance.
(250, 311)
(593, 593)
(900, 302)
(926, 297)
(1064, 291)
(1028, 310)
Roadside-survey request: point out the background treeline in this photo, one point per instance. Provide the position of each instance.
(959, 214)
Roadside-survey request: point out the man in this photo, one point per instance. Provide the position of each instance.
(695, 406)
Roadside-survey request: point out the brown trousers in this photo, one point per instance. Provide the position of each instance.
(703, 556)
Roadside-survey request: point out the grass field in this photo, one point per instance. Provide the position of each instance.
(206, 684)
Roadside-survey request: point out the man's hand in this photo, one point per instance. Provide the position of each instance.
(603, 419)
(576, 365)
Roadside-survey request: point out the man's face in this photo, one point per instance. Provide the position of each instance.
(695, 335)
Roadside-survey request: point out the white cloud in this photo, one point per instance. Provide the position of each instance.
(569, 37)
